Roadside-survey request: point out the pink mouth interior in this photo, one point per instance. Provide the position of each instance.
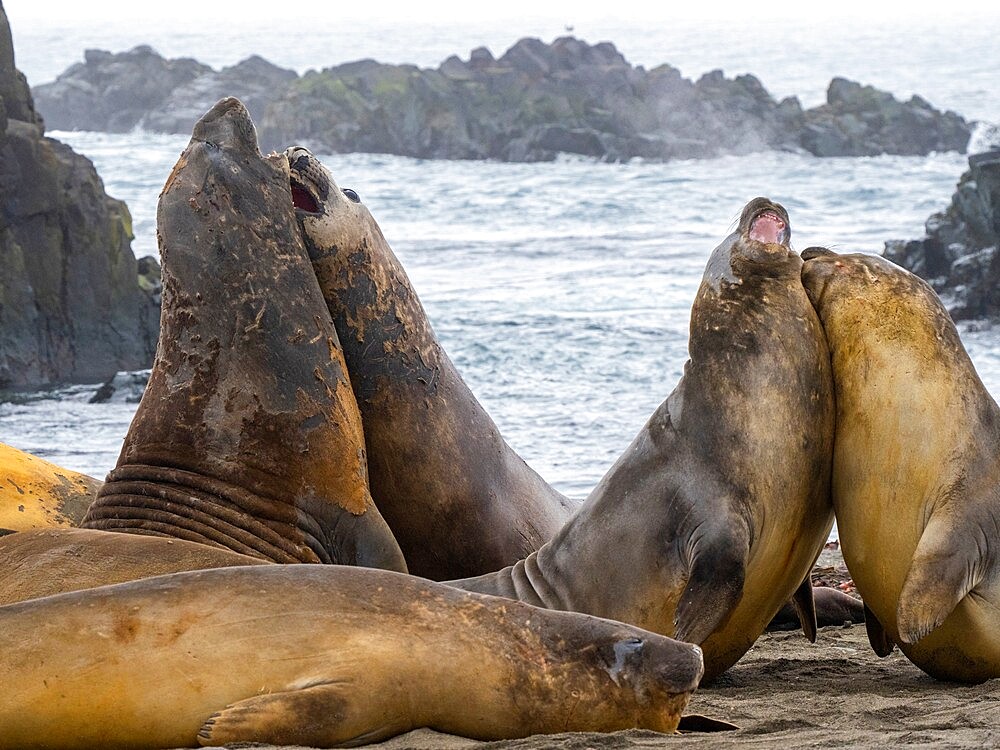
(302, 199)
(767, 228)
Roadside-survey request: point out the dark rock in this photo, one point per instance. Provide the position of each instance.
(122, 388)
(535, 101)
(255, 81)
(113, 93)
(481, 58)
(863, 121)
(70, 305)
(959, 253)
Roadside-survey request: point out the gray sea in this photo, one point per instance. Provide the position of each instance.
(562, 291)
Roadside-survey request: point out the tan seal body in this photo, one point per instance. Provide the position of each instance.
(248, 436)
(36, 494)
(320, 656)
(916, 480)
(714, 515)
(460, 501)
(44, 562)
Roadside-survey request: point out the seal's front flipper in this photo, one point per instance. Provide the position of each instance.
(805, 607)
(367, 541)
(328, 715)
(881, 642)
(715, 582)
(948, 563)
(698, 723)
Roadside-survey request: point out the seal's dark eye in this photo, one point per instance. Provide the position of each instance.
(351, 195)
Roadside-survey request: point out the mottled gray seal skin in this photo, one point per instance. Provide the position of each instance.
(248, 436)
(916, 472)
(321, 656)
(713, 516)
(460, 501)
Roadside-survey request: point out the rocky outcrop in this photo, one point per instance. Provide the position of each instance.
(254, 81)
(70, 304)
(113, 93)
(863, 121)
(534, 102)
(960, 252)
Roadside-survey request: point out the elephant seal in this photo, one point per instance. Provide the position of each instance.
(460, 501)
(37, 494)
(322, 656)
(833, 607)
(713, 517)
(916, 469)
(248, 436)
(45, 562)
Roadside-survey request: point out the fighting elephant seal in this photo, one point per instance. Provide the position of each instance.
(320, 656)
(248, 436)
(714, 515)
(916, 477)
(460, 501)
(37, 494)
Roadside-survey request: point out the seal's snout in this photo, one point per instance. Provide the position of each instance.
(765, 221)
(228, 126)
(678, 666)
(308, 179)
(769, 228)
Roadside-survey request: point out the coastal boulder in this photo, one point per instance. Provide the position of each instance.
(960, 252)
(70, 304)
(863, 121)
(113, 92)
(254, 81)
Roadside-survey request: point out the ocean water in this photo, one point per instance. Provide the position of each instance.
(562, 291)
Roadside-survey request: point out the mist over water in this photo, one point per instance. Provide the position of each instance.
(561, 291)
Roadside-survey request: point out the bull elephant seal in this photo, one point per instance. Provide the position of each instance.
(460, 501)
(713, 516)
(916, 477)
(37, 494)
(248, 435)
(327, 656)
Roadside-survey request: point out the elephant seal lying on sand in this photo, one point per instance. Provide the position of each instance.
(714, 515)
(37, 494)
(916, 477)
(321, 656)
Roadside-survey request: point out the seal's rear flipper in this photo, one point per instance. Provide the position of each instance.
(947, 565)
(290, 718)
(699, 723)
(881, 642)
(715, 582)
(805, 607)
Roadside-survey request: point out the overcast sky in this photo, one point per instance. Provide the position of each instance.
(285, 15)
